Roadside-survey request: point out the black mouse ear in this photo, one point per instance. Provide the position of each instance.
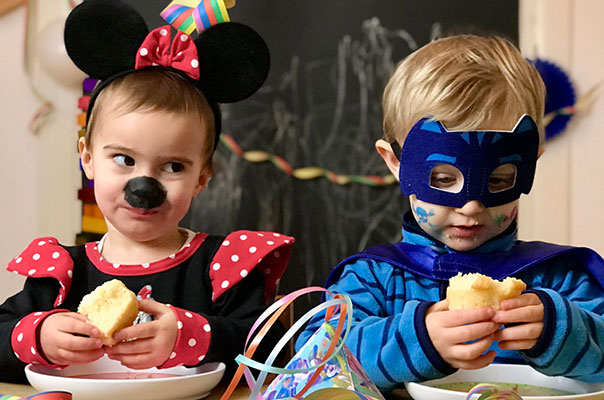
(233, 61)
(103, 36)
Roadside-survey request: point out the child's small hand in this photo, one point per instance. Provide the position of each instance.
(67, 338)
(450, 330)
(526, 313)
(148, 344)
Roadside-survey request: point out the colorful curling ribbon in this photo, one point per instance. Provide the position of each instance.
(493, 392)
(190, 15)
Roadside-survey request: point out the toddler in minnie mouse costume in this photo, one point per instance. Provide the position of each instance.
(152, 126)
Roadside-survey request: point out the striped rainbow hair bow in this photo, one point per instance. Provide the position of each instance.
(190, 15)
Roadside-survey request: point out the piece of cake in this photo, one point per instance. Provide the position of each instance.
(110, 307)
(469, 291)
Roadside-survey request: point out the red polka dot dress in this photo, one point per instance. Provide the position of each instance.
(216, 286)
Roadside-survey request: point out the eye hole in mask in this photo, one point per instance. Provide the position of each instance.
(503, 178)
(447, 178)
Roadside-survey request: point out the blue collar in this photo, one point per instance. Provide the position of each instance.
(413, 234)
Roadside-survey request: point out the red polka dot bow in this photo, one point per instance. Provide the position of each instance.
(156, 50)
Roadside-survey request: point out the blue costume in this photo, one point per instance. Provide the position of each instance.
(392, 286)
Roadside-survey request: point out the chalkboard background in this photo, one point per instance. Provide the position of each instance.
(321, 106)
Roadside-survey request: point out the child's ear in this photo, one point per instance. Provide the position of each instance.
(86, 158)
(203, 180)
(385, 151)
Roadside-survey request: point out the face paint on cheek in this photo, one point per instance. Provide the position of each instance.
(422, 215)
(502, 218)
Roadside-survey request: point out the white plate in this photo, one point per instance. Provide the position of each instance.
(506, 373)
(191, 384)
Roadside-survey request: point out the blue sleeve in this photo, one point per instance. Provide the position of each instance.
(572, 342)
(388, 334)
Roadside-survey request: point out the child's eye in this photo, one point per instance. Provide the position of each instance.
(122, 159)
(173, 167)
(446, 177)
(503, 178)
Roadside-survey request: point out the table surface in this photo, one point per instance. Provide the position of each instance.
(241, 393)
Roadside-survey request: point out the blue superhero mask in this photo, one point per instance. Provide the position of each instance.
(475, 155)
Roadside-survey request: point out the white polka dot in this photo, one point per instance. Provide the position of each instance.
(56, 255)
(61, 283)
(243, 273)
(276, 254)
(20, 337)
(207, 328)
(148, 287)
(267, 271)
(18, 260)
(33, 351)
(200, 358)
(146, 265)
(41, 243)
(276, 235)
(172, 255)
(261, 234)
(50, 269)
(225, 284)
(179, 53)
(163, 32)
(18, 323)
(15, 272)
(70, 273)
(38, 313)
(188, 245)
(60, 299)
(36, 257)
(188, 314)
(95, 248)
(144, 52)
(226, 243)
(192, 342)
(270, 242)
(216, 266)
(253, 249)
(194, 63)
(243, 237)
(31, 272)
(179, 324)
(173, 355)
(101, 258)
(139, 297)
(17, 355)
(116, 265)
(234, 258)
(286, 240)
(36, 321)
(184, 38)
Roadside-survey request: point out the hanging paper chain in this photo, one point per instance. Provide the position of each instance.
(190, 15)
(305, 173)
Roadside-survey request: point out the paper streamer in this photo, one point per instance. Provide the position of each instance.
(305, 173)
(190, 15)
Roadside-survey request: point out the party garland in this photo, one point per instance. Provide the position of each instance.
(305, 173)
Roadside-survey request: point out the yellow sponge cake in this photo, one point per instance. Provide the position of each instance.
(110, 307)
(469, 291)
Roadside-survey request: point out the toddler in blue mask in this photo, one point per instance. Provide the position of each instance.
(463, 128)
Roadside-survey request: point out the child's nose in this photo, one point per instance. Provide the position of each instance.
(472, 207)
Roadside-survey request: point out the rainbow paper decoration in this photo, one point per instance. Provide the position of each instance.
(190, 15)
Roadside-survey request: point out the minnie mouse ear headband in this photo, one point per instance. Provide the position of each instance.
(108, 39)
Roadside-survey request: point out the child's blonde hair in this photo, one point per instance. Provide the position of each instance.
(149, 90)
(465, 82)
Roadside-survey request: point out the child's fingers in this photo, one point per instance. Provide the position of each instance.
(137, 361)
(527, 299)
(517, 344)
(139, 331)
(455, 318)
(153, 307)
(474, 331)
(531, 313)
(78, 343)
(73, 324)
(137, 346)
(470, 351)
(530, 331)
(67, 357)
(479, 362)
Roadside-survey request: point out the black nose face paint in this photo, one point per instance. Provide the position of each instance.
(145, 192)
